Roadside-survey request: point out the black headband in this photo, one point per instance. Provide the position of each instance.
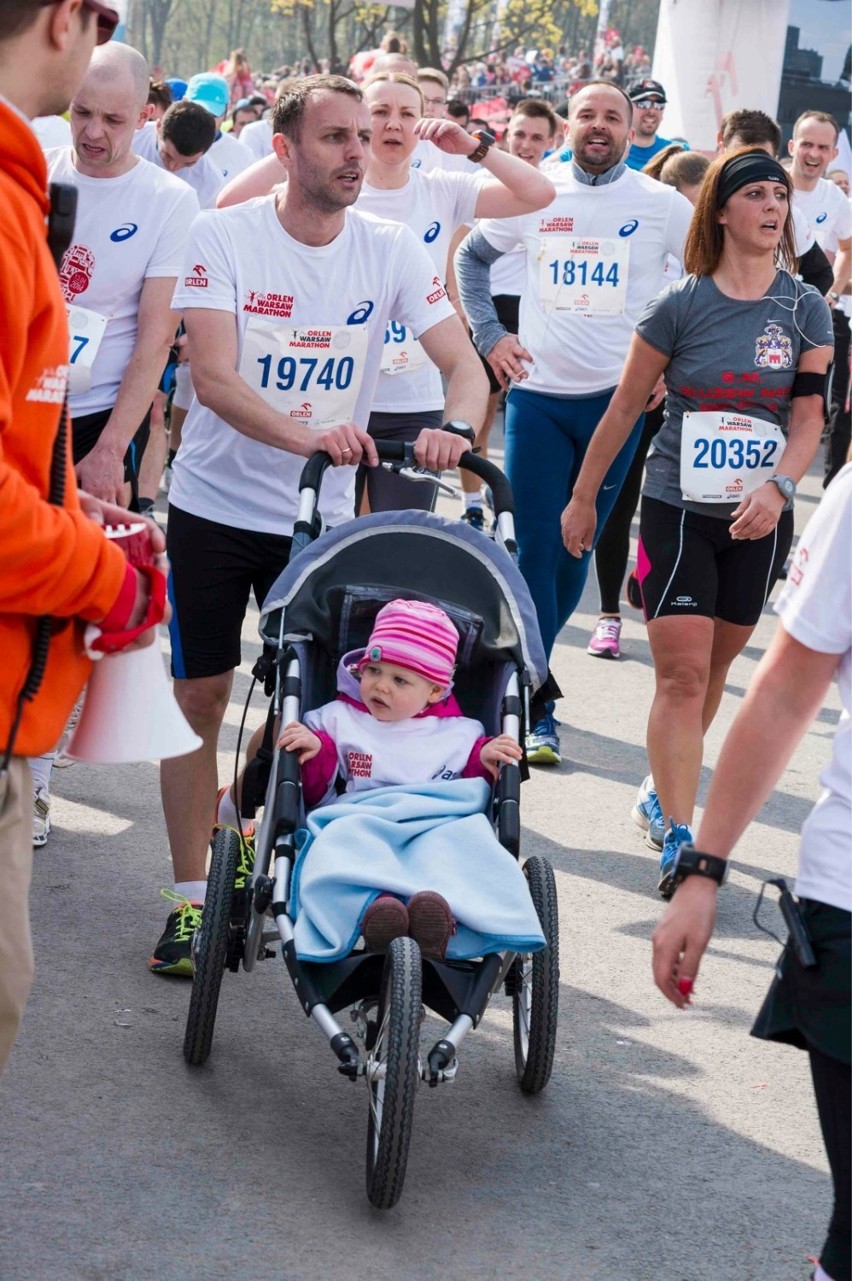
(754, 166)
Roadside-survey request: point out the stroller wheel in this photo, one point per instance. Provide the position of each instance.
(210, 947)
(535, 986)
(393, 1073)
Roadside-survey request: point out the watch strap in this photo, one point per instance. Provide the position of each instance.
(693, 862)
(486, 142)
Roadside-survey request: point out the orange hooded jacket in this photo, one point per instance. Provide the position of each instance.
(53, 559)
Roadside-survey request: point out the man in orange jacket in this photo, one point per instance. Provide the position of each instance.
(55, 563)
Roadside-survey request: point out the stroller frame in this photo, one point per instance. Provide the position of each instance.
(385, 990)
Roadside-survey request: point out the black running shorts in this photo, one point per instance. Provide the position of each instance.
(688, 565)
(214, 568)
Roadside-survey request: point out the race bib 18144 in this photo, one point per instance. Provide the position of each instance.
(312, 374)
(585, 275)
(723, 457)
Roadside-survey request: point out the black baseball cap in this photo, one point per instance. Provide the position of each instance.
(643, 89)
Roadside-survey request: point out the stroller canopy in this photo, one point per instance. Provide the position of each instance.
(331, 591)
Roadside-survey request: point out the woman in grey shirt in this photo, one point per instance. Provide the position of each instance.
(744, 348)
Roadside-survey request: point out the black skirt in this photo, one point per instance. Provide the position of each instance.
(812, 1007)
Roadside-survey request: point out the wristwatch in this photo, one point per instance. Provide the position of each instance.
(458, 427)
(786, 484)
(486, 141)
(691, 862)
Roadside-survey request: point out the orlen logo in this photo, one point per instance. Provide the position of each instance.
(432, 233)
(582, 301)
(305, 410)
(361, 314)
(735, 486)
(124, 233)
(198, 279)
(821, 217)
(439, 291)
(629, 227)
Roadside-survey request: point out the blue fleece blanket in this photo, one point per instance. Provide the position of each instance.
(399, 840)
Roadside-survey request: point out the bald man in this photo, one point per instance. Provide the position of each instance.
(119, 274)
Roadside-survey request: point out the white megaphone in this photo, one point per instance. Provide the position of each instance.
(130, 713)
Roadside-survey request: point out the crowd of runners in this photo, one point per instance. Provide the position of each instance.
(249, 281)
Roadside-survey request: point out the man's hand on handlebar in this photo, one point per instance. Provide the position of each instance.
(438, 450)
(345, 445)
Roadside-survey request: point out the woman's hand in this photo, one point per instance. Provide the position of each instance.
(498, 751)
(505, 359)
(680, 939)
(579, 522)
(296, 737)
(758, 513)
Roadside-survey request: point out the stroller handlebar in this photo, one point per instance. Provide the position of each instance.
(397, 451)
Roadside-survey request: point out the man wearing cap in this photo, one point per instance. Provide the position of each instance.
(179, 143)
(649, 103)
(227, 153)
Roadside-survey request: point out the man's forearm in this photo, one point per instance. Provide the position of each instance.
(467, 393)
(842, 270)
(232, 400)
(473, 276)
(135, 394)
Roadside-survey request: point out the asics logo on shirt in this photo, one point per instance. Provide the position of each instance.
(125, 232)
(821, 217)
(361, 314)
(432, 233)
(629, 227)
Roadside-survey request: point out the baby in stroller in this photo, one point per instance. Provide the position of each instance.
(396, 722)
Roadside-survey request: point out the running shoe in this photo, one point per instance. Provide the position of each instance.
(542, 744)
(474, 517)
(647, 814)
(430, 923)
(605, 639)
(41, 817)
(385, 919)
(172, 953)
(677, 835)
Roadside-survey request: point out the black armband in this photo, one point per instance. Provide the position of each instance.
(812, 385)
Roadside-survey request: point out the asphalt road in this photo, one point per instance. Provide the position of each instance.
(667, 1145)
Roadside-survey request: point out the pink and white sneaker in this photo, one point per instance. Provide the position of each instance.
(605, 639)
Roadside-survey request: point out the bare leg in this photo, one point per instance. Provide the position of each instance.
(729, 640)
(470, 483)
(154, 458)
(189, 783)
(681, 648)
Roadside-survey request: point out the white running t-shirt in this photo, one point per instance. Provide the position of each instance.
(828, 212)
(310, 335)
(815, 608)
(205, 178)
(427, 158)
(434, 205)
(127, 230)
(229, 155)
(257, 138)
(595, 257)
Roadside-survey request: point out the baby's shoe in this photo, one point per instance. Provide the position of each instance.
(384, 920)
(430, 923)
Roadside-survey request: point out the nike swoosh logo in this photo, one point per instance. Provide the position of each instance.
(607, 487)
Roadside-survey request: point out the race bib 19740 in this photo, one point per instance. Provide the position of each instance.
(311, 374)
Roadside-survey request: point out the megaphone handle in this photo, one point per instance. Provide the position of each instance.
(114, 642)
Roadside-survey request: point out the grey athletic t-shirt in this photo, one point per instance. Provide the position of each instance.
(726, 354)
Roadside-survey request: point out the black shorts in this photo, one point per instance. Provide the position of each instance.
(86, 432)
(386, 491)
(688, 565)
(214, 568)
(508, 307)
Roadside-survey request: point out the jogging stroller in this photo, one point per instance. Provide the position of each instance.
(321, 607)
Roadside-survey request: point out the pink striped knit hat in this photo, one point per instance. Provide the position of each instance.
(416, 635)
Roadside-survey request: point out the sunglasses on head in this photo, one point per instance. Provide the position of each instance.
(107, 17)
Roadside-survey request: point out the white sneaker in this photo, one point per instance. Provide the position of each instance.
(41, 817)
